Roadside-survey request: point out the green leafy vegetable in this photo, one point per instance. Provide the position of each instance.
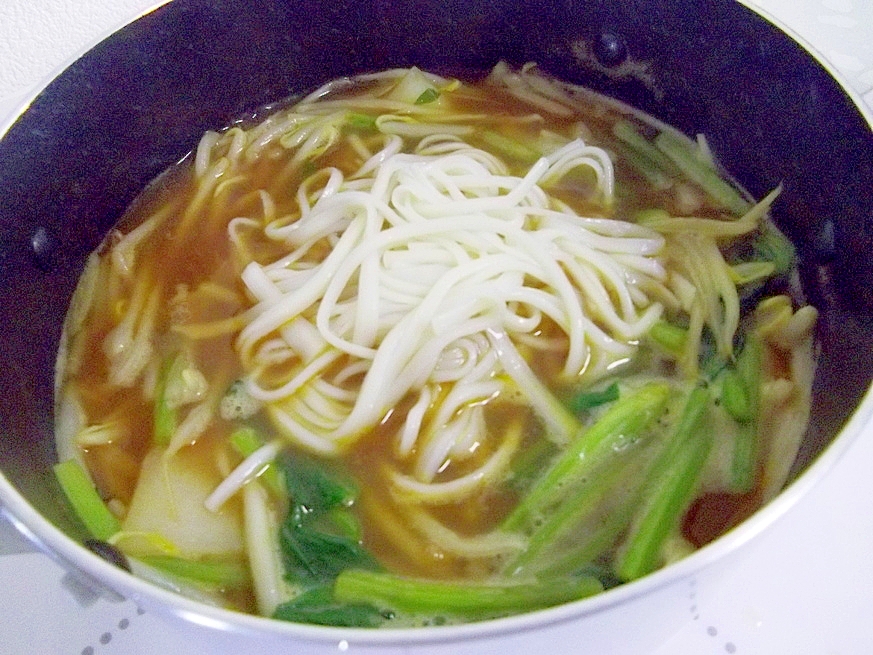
(773, 246)
(315, 547)
(748, 369)
(85, 500)
(165, 416)
(401, 594)
(345, 522)
(582, 402)
(360, 121)
(314, 555)
(318, 606)
(669, 337)
(712, 364)
(179, 383)
(669, 488)
(598, 539)
(427, 96)
(213, 573)
(650, 162)
(686, 156)
(622, 421)
(529, 463)
(580, 516)
(313, 488)
(510, 147)
(735, 397)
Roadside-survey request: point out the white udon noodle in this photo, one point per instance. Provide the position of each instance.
(442, 266)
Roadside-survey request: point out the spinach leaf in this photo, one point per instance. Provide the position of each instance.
(315, 489)
(313, 555)
(318, 606)
(315, 546)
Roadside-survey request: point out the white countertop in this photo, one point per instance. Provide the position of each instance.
(806, 587)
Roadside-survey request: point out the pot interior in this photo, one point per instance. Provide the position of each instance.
(139, 101)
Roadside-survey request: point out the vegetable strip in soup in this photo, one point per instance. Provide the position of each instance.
(411, 350)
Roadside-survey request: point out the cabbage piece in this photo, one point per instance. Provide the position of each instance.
(168, 501)
(414, 88)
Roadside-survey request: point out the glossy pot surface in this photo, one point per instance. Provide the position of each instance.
(138, 101)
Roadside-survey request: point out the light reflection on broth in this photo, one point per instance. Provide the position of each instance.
(504, 315)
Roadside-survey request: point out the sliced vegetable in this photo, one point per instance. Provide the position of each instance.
(428, 95)
(735, 397)
(510, 147)
(582, 402)
(643, 155)
(169, 503)
(318, 606)
(262, 523)
(625, 420)
(668, 336)
(166, 417)
(686, 156)
(224, 574)
(743, 464)
(315, 547)
(668, 490)
(397, 593)
(85, 501)
(412, 86)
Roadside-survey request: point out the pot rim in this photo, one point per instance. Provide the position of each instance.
(102, 576)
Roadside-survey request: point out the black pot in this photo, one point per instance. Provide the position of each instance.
(138, 101)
